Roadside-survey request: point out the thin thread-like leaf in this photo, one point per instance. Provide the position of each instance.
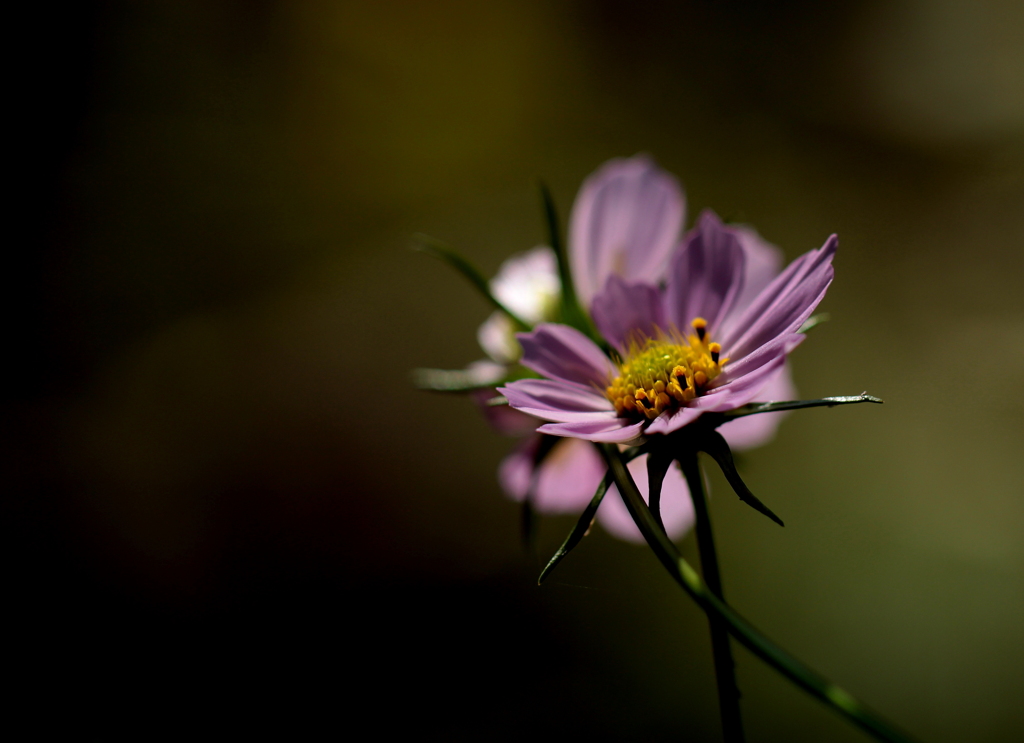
(579, 530)
(583, 523)
(715, 444)
(456, 380)
(773, 407)
(438, 249)
(569, 301)
(571, 312)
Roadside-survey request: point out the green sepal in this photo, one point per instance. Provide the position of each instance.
(658, 462)
(714, 444)
(438, 249)
(814, 321)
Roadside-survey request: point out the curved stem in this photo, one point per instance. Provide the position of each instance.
(725, 667)
(665, 550)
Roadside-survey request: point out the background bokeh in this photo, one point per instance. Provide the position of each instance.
(225, 493)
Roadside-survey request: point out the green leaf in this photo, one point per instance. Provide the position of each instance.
(585, 520)
(555, 241)
(580, 530)
(438, 249)
(571, 312)
(825, 402)
(456, 380)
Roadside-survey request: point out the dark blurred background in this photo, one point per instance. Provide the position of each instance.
(224, 492)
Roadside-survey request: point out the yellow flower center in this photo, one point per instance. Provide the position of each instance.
(663, 373)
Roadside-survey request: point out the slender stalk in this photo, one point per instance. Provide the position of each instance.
(725, 667)
(665, 550)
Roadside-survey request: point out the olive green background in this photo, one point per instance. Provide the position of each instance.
(224, 487)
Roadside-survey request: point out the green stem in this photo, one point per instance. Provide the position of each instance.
(665, 550)
(725, 667)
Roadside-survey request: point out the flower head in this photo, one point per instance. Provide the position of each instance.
(626, 220)
(701, 344)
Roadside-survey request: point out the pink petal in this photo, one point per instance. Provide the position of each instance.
(568, 477)
(676, 506)
(783, 305)
(515, 473)
(706, 275)
(779, 346)
(741, 390)
(503, 418)
(560, 352)
(763, 263)
(667, 423)
(626, 220)
(527, 283)
(625, 310)
(615, 430)
(757, 430)
(553, 400)
(565, 482)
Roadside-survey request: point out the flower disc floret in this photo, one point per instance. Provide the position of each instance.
(665, 372)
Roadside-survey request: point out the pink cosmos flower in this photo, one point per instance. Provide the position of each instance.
(702, 344)
(625, 224)
(626, 221)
